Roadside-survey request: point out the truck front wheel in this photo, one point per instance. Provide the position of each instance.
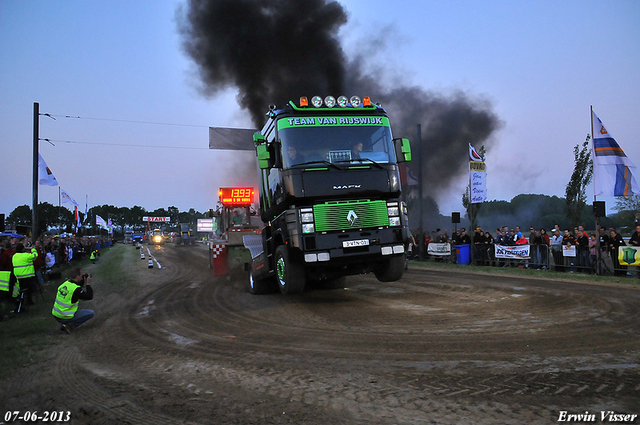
(290, 275)
(390, 269)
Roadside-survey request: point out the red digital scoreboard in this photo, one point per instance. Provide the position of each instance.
(236, 196)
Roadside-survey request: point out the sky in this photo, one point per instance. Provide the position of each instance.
(131, 123)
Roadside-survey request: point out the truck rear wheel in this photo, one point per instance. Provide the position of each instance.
(390, 269)
(259, 286)
(290, 275)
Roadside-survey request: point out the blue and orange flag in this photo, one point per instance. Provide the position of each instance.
(613, 171)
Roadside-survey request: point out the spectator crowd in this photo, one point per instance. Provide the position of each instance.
(44, 259)
(569, 250)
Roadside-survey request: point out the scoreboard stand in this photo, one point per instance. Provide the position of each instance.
(229, 256)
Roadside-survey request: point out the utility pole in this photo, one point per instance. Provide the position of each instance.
(36, 138)
(421, 247)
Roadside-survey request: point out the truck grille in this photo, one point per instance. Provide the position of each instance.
(333, 216)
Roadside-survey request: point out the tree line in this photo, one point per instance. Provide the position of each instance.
(63, 219)
(540, 211)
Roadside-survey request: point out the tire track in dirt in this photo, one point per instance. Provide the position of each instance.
(384, 353)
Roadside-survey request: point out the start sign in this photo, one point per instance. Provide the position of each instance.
(157, 219)
(236, 196)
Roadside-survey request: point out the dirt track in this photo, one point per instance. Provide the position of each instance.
(435, 348)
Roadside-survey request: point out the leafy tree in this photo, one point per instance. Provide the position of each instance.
(174, 213)
(20, 216)
(575, 196)
(51, 215)
(135, 217)
(628, 208)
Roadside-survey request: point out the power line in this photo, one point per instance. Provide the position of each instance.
(121, 144)
(128, 121)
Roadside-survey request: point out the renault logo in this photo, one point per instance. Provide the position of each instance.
(352, 217)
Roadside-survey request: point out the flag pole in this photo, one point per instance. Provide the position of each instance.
(34, 200)
(595, 197)
(59, 208)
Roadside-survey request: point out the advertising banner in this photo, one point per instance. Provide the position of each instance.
(207, 225)
(568, 251)
(478, 179)
(439, 249)
(157, 219)
(629, 255)
(520, 252)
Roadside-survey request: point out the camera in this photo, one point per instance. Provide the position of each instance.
(85, 276)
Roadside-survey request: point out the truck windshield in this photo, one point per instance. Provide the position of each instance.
(343, 139)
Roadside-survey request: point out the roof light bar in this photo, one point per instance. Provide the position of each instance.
(330, 101)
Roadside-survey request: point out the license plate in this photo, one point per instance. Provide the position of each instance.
(359, 242)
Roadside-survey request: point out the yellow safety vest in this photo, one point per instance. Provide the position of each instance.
(23, 264)
(5, 278)
(63, 308)
(16, 289)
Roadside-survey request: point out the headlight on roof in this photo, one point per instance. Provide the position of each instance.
(316, 101)
(355, 101)
(343, 101)
(330, 101)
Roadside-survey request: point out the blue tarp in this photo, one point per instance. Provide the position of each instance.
(10, 234)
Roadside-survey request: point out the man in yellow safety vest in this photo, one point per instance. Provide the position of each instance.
(5, 296)
(24, 271)
(65, 307)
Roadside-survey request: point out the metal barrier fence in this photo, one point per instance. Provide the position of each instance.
(542, 257)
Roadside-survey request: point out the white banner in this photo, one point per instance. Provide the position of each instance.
(207, 225)
(518, 252)
(478, 179)
(568, 251)
(160, 219)
(439, 249)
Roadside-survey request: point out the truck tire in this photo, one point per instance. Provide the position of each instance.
(289, 274)
(258, 286)
(390, 269)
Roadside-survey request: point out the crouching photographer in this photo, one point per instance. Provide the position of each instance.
(65, 307)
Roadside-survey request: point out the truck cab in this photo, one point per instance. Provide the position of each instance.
(329, 195)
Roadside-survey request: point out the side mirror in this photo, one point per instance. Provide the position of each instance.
(403, 150)
(406, 150)
(264, 157)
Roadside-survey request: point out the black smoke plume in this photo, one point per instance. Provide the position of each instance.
(275, 51)
(270, 50)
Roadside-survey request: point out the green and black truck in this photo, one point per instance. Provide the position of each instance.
(329, 195)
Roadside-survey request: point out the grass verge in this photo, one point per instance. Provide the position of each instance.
(26, 337)
(532, 273)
